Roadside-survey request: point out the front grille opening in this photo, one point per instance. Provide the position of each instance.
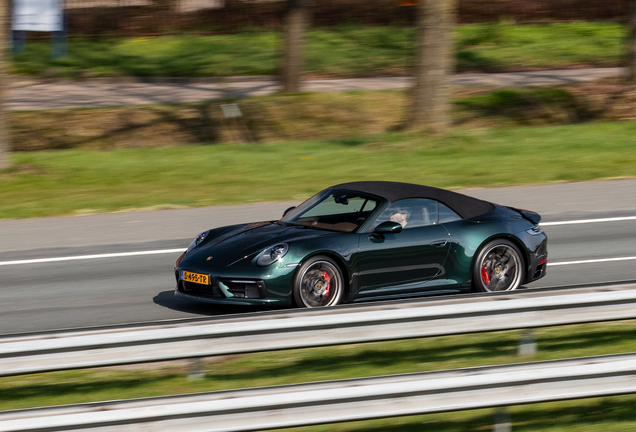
(224, 288)
(250, 289)
(212, 291)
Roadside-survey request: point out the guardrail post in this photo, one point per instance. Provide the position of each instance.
(195, 369)
(527, 344)
(502, 421)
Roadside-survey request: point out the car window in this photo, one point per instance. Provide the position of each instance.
(411, 213)
(337, 210)
(334, 205)
(447, 215)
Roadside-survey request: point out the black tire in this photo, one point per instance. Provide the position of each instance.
(499, 266)
(318, 283)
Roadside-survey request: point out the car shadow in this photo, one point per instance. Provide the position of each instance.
(168, 300)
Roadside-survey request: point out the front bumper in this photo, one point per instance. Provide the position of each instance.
(230, 301)
(253, 286)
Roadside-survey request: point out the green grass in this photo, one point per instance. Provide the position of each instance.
(338, 51)
(361, 360)
(69, 182)
(496, 47)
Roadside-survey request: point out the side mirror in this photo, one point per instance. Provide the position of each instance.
(288, 210)
(388, 227)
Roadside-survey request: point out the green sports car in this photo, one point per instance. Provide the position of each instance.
(365, 241)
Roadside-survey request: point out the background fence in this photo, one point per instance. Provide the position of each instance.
(102, 18)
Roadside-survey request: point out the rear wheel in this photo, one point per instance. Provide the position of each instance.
(318, 283)
(499, 267)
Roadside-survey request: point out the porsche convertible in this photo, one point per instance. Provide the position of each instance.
(366, 241)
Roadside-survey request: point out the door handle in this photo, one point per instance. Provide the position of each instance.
(439, 243)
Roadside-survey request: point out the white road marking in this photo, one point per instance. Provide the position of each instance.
(171, 251)
(174, 251)
(87, 257)
(585, 221)
(592, 261)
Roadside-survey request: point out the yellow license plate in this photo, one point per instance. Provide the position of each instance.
(195, 278)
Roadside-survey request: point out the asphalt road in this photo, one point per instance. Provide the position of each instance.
(111, 290)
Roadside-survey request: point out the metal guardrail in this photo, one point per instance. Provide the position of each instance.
(82, 349)
(346, 400)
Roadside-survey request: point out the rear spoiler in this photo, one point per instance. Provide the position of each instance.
(527, 214)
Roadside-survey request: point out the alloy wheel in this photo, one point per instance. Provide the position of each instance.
(320, 284)
(500, 268)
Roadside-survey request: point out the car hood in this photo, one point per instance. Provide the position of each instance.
(229, 245)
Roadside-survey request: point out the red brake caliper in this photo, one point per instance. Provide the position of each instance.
(484, 275)
(328, 287)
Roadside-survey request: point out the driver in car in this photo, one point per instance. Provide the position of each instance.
(400, 216)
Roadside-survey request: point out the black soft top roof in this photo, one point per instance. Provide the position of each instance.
(465, 206)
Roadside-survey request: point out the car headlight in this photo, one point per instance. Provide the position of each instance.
(198, 239)
(272, 254)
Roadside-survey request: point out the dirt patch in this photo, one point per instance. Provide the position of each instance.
(113, 128)
(18, 169)
(611, 98)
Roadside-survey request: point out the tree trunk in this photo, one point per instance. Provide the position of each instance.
(434, 58)
(295, 23)
(4, 45)
(632, 42)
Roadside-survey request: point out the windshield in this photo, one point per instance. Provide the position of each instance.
(334, 210)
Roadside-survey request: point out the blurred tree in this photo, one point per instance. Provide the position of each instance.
(295, 23)
(434, 65)
(632, 41)
(4, 45)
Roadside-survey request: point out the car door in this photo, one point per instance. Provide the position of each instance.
(402, 263)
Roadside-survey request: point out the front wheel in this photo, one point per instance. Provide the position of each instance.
(498, 267)
(318, 283)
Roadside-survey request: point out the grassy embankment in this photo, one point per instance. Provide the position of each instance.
(41, 182)
(339, 51)
(351, 141)
(319, 116)
(373, 359)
